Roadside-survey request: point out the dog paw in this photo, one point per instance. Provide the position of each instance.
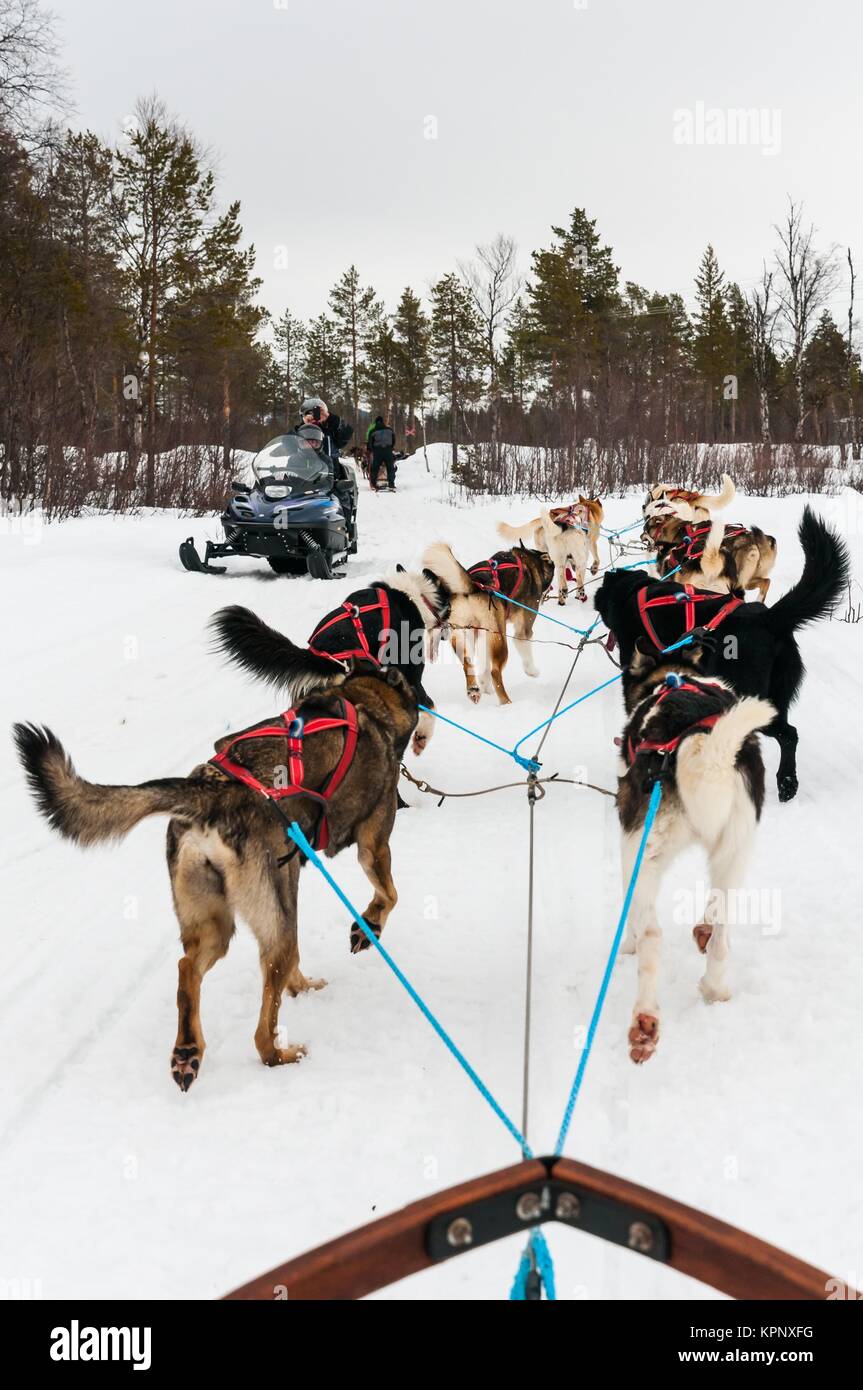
(561, 598)
(713, 994)
(283, 1056)
(787, 787)
(581, 596)
(643, 1037)
(359, 940)
(418, 743)
(594, 569)
(185, 1064)
(701, 935)
(474, 694)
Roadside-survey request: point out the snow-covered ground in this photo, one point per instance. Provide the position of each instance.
(116, 1184)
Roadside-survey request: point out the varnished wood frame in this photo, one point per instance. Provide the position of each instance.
(390, 1249)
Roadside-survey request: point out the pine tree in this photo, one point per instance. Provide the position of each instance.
(161, 202)
(411, 340)
(379, 372)
(324, 363)
(741, 366)
(515, 365)
(825, 370)
(290, 335)
(352, 308)
(456, 348)
(572, 299)
(711, 341)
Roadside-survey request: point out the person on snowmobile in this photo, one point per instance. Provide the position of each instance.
(313, 437)
(336, 433)
(381, 441)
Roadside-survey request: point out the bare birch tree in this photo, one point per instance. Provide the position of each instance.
(761, 313)
(806, 278)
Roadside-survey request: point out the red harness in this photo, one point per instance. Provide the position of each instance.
(647, 745)
(694, 539)
(493, 568)
(294, 728)
(688, 596)
(353, 613)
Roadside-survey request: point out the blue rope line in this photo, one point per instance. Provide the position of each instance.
(527, 763)
(537, 1253)
(582, 632)
(295, 833)
(653, 807)
(545, 723)
(621, 530)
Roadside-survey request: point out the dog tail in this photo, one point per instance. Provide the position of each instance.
(263, 652)
(440, 560)
(721, 499)
(90, 814)
(712, 559)
(518, 533)
(705, 765)
(825, 574)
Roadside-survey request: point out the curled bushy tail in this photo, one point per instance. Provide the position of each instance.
(717, 502)
(706, 764)
(440, 560)
(518, 533)
(90, 814)
(825, 574)
(263, 652)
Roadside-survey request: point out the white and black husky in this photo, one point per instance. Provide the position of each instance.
(698, 737)
(391, 622)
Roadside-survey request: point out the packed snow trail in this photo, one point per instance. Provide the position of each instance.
(119, 1185)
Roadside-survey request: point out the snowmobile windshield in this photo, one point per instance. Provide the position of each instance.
(288, 458)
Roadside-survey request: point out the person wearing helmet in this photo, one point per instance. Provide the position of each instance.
(312, 437)
(336, 434)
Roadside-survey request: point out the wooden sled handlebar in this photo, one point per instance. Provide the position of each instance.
(518, 1198)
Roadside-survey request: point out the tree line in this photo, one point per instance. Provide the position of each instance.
(135, 355)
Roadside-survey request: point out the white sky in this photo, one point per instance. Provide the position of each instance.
(317, 112)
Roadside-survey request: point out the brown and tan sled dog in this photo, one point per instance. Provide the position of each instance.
(227, 849)
(712, 555)
(478, 617)
(566, 534)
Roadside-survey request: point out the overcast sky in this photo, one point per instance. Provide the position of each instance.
(318, 112)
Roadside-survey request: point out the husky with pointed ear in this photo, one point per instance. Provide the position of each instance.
(698, 737)
(336, 760)
(390, 622)
(565, 534)
(480, 612)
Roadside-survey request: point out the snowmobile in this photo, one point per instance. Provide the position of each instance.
(299, 514)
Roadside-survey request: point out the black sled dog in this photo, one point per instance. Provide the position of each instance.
(754, 647)
(388, 623)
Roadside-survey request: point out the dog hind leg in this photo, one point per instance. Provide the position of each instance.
(522, 625)
(373, 852)
(206, 927)
(498, 651)
(463, 644)
(728, 858)
(670, 833)
(266, 896)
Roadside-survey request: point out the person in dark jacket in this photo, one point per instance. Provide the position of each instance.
(381, 443)
(336, 433)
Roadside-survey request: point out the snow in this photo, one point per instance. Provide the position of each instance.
(118, 1185)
